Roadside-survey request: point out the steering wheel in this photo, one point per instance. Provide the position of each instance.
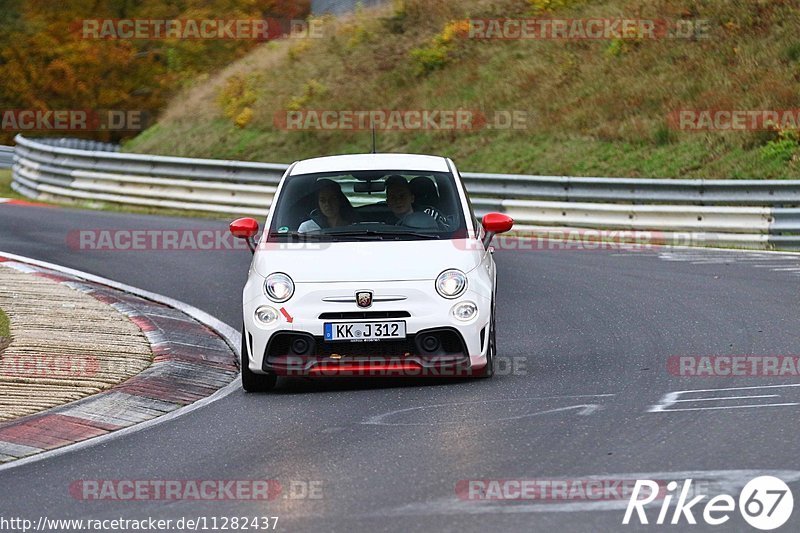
(419, 221)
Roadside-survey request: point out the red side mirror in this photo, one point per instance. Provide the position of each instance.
(244, 228)
(497, 222)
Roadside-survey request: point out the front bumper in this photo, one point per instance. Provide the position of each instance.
(461, 349)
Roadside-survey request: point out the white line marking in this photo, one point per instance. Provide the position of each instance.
(758, 257)
(730, 398)
(727, 407)
(766, 259)
(671, 398)
(230, 335)
(584, 410)
(699, 249)
(726, 257)
(744, 388)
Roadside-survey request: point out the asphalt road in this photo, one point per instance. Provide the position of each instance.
(589, 334)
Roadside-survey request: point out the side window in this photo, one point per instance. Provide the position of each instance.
(298, 200)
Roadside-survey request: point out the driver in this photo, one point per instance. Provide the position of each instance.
(334, 208)
(400, 200)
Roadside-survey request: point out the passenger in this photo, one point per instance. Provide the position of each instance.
(335, 209)
(399, 197)
(401, 200)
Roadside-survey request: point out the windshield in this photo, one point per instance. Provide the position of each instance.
(368, 205)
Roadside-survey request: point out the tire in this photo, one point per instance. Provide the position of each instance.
(252, 382)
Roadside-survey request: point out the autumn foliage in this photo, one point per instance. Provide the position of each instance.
(46, 64)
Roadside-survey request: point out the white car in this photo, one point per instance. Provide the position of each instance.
(369, 265)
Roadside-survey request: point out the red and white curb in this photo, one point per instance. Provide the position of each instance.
(195, 363)
(14, 201)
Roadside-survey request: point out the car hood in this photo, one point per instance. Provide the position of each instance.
(366, 260)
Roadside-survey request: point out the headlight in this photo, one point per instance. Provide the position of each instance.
(279, 287)
(266, 315)
(451, 283)
(465, 311)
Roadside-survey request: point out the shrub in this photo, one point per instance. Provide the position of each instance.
(311, 89)
(546, 6)
(244, 118)
(441, 48)
(784, 147)
(783, 150)
(236, 98)
(296, 51)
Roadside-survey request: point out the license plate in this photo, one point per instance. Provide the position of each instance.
(364, 331)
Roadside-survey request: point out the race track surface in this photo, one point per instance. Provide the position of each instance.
(588, 335)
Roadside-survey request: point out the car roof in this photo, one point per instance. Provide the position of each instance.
(353, 162)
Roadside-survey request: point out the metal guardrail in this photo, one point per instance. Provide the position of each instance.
(339, 7)
(80, 144)
(741, 213)
(639, 191)
(6, 156)
(51, 172)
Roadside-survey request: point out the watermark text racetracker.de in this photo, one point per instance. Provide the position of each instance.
(256, 29)
(574, 239)
(579, 29)
(401, 120)
(74, 366)
(122, 240)
(72, 120)
(548, 490)
(210, 490)
(720, 120)
(731, 366)
(166, 240)
(367, 365)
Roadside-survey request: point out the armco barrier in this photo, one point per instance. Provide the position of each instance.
(739, 213)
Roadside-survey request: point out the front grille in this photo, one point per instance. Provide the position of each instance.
(364, 315)
(281, 350)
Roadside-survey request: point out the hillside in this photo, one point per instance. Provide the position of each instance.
(593, 107)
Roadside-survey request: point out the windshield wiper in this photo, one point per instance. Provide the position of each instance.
(309, 236)
(414, 234)
(367, 235)
(373, 234)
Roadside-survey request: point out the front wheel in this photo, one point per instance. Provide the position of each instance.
(252, 382)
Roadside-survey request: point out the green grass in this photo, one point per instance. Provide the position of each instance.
(595, 108)
(5, 329)
(5, 185)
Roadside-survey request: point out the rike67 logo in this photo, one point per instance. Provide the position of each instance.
(765, 503)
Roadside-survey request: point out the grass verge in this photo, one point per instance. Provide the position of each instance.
(5, 186)
(592, 107)
(5, 331)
